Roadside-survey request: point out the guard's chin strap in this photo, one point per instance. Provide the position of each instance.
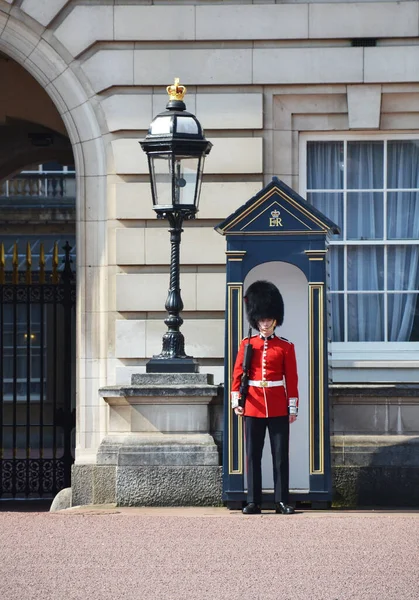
(273, 329)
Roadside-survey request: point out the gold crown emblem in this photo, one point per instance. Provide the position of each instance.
(176, 91)
(275, 213)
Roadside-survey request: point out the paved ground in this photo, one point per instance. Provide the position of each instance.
(190, 553)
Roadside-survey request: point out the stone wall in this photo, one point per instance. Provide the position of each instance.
(375, 444)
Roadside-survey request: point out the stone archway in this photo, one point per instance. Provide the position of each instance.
(35, 54)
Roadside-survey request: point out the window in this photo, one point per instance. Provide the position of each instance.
(370, 188)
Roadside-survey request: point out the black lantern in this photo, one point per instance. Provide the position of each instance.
(176, 148)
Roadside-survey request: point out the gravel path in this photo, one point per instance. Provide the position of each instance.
(182, 554)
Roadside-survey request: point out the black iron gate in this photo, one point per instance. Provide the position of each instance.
(37, 376)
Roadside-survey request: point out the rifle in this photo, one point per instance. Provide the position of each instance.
(247, 357)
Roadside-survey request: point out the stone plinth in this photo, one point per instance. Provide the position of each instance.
(159, 443)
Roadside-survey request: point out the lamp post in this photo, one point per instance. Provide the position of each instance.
(176, 148)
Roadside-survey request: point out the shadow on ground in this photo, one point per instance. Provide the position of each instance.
(25, 505)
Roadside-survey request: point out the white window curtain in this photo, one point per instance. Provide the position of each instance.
(372, 213)
(402, 222)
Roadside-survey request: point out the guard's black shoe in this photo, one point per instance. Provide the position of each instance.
(252, 509)
(284, 509)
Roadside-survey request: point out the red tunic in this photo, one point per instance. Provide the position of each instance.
(273, 359)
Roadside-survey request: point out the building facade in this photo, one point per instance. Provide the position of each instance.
(325, 96)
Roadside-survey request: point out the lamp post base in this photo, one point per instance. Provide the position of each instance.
(172, 365)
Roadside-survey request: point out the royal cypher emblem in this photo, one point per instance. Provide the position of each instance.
(276, 219)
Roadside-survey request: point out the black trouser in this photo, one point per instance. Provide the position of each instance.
(255, 431)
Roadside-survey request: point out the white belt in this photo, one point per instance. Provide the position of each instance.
(266, 383)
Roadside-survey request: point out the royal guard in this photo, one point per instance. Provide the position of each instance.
(265, 393)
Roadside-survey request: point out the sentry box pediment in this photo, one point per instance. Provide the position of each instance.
(277, 210)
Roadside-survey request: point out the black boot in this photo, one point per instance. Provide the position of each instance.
(284, 509)
(252, 509)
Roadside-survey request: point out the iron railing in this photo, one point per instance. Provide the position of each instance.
(37, 391)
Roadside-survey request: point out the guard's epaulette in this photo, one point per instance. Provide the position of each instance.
(284, 339)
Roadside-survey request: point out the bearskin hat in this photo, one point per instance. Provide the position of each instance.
(263, 300)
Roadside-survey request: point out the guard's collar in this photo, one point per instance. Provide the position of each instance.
(270, 337)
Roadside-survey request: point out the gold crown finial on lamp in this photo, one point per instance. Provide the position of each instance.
(176, 91)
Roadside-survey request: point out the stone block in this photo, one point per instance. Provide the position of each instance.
(210, 66)
(320, 122)
(21, 39)
(95, 233)
(62, 500)
(385, 64)
(92, 484)
(129, 338)
(154, 23)
(3, 21)
(204, 338)
(217, 371)
(364, 106)
(359, 418)
(82, 484)
(69, 87)
(400, 102)
(228, 155)
(129, 159)
(48, 64)
(92, 23)
(220, 199)
(200, 245)
(123, 373)
(229, 111)
(174, 418)
(235, 155)
(85, 121)
(133, 201)
(285, 106)
(169, 486)
(44, 11)
(308, 65)
(262, 22)
(399, 121)
(375, 486)
(375, 450)
(404, 419)
(120, 419)
(148, 291)
(107, 68)
(177, 454)
(160, 99)
(94, 157)
(130, 246)
(171, 379)
(104, 484)
(363, 20)
(94, 204)
(128, 111)
(211, 290)
(282, 152)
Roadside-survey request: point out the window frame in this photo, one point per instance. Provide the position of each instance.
(363, 355)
